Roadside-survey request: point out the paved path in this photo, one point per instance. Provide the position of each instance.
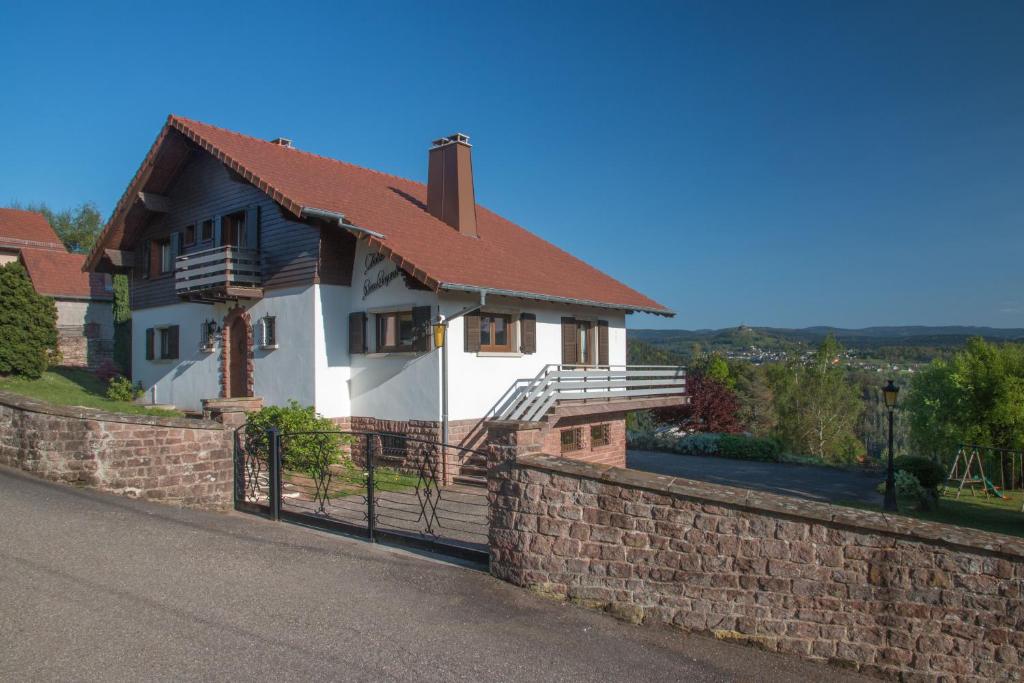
(826, 484)
(98, 587)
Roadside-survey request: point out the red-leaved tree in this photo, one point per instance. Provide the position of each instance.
(713, 407)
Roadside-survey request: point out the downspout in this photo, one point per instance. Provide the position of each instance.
(444, 365)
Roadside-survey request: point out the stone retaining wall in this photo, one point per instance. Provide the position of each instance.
(172, 460)
(890, 596)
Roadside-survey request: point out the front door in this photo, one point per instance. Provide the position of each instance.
(238, 353)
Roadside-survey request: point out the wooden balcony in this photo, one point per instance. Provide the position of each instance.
(565, 390)
(219, 274)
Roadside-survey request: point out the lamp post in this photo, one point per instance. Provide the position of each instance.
(889, 392)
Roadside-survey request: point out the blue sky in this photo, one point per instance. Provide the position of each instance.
(844, 164)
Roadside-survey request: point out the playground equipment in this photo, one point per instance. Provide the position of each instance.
(968, 470)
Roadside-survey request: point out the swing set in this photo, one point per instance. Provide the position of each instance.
(968, 471)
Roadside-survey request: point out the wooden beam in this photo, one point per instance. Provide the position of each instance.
(155, 202)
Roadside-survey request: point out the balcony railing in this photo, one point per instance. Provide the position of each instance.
(224, 268)
(530, 400)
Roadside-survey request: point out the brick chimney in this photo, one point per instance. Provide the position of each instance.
(450, 194)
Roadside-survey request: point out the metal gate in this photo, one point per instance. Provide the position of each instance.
(380, 486)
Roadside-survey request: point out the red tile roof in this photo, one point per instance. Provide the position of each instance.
(505, 256)
(59, 274)
(20, 229)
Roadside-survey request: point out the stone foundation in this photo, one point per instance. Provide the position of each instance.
(171, 460)
(546, 437)
(889, 596)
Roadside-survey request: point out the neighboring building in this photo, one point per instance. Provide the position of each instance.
(258, 270)
(83, 300)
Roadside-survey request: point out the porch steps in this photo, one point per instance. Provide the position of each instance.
(473, 471)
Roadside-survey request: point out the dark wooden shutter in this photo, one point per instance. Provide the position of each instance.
(528, 333)
(472, 325)
(252, 226)
(357, 332)
(421, 327)
(602, 342)
(176, 239)
(172, 342)
(145, 259)
(217, 231)
(150, 334)
(570, 354)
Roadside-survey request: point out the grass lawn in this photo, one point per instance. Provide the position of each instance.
(350, 480)
(75, 387)
(988, 513)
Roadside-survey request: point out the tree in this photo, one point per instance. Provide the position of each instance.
(122, 325)
(756, 400)
(77, 228)
(28, 325)
(818, 408)
(712, 407)
(977, 397)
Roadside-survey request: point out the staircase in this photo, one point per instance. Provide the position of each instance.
(473, 471)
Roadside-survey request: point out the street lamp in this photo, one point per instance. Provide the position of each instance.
(889, 392)
(440, 328)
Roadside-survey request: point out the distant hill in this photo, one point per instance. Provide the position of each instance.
(918, 342)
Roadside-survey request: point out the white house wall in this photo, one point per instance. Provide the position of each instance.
(391, 386)
(279, 374)
(477, 381)
(333, 371)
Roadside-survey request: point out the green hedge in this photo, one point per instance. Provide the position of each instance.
(930, 473)
(733, 446)
(28, 325)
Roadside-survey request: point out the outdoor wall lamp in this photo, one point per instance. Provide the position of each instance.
(209, 335)
(890, 392)
(440, 330)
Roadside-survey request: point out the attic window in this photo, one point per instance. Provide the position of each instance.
(189, 236)
(206, 234)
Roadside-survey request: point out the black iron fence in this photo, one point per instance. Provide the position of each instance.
(380, 486)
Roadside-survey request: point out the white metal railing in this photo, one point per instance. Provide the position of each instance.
(225, 266)
(530, 399)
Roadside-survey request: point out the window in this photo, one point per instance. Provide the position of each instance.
(572, 439)
(162, 343)
(600, 435)
(268, 332)
(395, 332)
(160, 252)
(206, 233)
(584, 343)
(232, 229)
(393, 444)
(190, 235)
(495, 332)
(108, 282)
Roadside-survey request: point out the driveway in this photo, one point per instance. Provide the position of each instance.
(826, 484)
(100, 587)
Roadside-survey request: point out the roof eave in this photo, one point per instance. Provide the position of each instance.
(536, 296)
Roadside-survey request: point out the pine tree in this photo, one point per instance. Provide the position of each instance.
(28, 325)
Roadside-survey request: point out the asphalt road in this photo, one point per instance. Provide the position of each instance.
(825, 484)
(97, 587)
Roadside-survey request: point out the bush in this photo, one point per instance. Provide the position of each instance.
(748, 448)
(312, 442)
(698, 444)
(908, 486)
(28, 325)
(929, 474)
(121, 389)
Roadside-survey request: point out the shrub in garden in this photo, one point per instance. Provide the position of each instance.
(748, 448)
(121, 389)
(698, 444)
(312, 443)
(929, 474)
(908, 486)
(28, 325)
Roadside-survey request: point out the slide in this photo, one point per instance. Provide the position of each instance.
(992, 488)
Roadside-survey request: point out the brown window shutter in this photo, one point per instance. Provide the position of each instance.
(602, 342)
(528, 333)
(570, 355)
(421, 325)
(472, 326)
(145, 260)
(357, 332)
(172, 342)
(150, 334)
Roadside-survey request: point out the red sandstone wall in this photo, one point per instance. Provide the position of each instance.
(172, 460)
(893, 597)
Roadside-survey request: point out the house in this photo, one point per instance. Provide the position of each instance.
(83, 300)
(261, 273)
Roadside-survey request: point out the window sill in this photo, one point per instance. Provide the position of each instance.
(385, 354)
(268, 347)
(500, 354)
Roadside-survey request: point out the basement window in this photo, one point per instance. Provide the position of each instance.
(600, 435)
(571, 440)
